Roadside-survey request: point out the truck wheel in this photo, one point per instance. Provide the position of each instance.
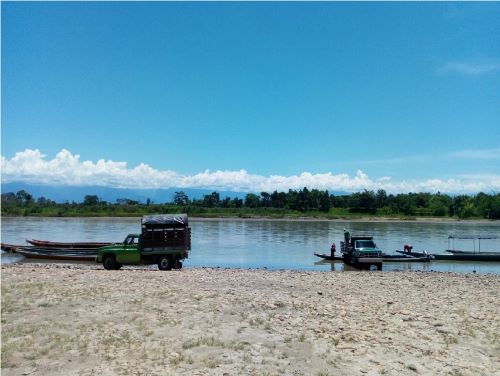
(165, 263)
(109, 262)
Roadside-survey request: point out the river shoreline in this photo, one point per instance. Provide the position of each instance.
(374, 219)
(83, 320)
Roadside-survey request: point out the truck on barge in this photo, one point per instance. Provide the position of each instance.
(361, 252)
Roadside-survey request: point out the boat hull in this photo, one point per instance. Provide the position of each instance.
(385, 258)
(61, 245)
(478, 256)
(30, 254)
(328, 257)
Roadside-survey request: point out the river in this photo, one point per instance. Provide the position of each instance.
(273, 244)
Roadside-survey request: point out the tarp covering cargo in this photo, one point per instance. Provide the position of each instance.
(165, 219)
(163, 231)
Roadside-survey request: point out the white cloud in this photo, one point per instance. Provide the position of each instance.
(468, 69)
(31, 166)
(469, 154)
(476, 154)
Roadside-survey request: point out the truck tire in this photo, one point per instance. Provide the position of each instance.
(165, 263)
(109, 262)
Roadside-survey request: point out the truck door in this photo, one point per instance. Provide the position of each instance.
(131, 253)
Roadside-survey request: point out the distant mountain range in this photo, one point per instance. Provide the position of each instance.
(61, 194)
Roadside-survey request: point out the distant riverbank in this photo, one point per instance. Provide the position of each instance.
(357, 219)
(292, 204)
(249, 217)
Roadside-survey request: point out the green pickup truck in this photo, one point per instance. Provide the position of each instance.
(165, 240)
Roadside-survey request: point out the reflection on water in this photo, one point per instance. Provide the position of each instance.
(270, 244)
(10, 258)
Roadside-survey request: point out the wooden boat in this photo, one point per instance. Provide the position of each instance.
(456, 251)
(405, 258)
(471, 256)
(31, 254)
(62, 245)
(92, 252)
(8, 247)
(62, 251)
(329, 257)
(385, 258)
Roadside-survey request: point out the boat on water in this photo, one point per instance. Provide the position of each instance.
(63, 245)
(385, 258)
(458, 252)
(466, 256)
(328, 257)
(476, 243)
(405, 258)
(458, 255)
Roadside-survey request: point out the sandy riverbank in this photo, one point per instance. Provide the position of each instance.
(82, 320)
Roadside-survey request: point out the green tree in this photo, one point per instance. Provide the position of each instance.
(24, 197)
(9, 198)
(363, 202)
(438, 206)
(180, 198)
(236, 203)
(495, 207)
(212, 200)
(90, 200)
(252, 200)
(266, 199)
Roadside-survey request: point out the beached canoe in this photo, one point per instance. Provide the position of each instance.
(62, 245)
(49, 253)
(31, 254)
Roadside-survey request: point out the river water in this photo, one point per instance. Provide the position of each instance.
(274, 244)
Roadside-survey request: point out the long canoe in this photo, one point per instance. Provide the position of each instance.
(404, 258)
(62, 245)
(89, 252)
(329, 257)
(8, 247)
(478, 256)
(52, 256)
(385, 258)
(455, 251)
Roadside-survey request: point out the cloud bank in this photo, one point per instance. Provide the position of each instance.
(469, 69)
(66, 169)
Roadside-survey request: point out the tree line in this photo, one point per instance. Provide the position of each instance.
(302, 202)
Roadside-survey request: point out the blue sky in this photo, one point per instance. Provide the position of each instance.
(252, 96)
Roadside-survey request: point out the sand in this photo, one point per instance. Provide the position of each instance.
(82, 320)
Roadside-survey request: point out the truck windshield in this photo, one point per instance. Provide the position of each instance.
(365, 244)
